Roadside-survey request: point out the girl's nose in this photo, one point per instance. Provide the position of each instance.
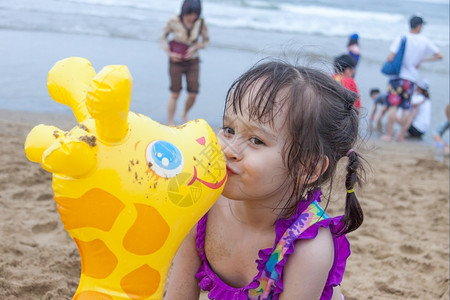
(232, 148)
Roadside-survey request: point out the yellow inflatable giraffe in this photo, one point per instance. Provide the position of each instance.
(127, 188)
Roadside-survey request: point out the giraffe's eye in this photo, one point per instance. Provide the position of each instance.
(165, 158)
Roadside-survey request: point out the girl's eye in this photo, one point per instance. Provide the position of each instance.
(228, 130)
(256, 141)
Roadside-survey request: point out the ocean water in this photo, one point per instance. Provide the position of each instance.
(142, 19)
(243, 30)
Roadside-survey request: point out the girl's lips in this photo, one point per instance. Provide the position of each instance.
(230, 171)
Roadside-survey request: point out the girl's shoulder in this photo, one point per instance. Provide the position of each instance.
(312, 258)
(175, 19)
(308, 246)
(418, 99)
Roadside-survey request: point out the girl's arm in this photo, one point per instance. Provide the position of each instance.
(306, 270)
(413, 115)
(374, 111)
(163, 38)
(182, 283)
(199, 45)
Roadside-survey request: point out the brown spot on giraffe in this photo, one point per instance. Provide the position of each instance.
(96, 208)
(97, 260)
(91, 295)
(141, 283)
(138, 240)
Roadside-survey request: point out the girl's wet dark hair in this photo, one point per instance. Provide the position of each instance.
(425, 92)
(343, 62)
(352, 42)
(321, 122)
(191, 6)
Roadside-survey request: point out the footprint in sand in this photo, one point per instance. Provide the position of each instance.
(21, 195)
(44, 197)
(409, 249)
(44, 228)
(38, 176)
(44, 233)
(385, 288)
(58, 293)
(416, 192)
(418, 265)
(70, 267)
(426, 267)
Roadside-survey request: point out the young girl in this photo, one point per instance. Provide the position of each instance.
(420, 118)
(344, 69)
(284, 130)
(353, 47)
(184, 31)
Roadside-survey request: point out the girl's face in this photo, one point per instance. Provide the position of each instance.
(190, 18)
(253, 151)
(349, 72)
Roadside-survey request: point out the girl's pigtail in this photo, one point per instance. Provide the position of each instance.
(353, 216)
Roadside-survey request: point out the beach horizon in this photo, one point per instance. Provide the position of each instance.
(24, 83)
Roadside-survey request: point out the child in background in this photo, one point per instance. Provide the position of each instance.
(441, 129)
(285, 128)
(421, 111)
(353, 47)
(344, 69)
(378, 99)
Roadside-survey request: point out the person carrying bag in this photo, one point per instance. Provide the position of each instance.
(406, 58)
(181, 41)
(393, 67)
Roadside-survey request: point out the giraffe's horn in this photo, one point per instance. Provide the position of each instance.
(39, 139)
(67, 83)
(108, 102)
(74, 154)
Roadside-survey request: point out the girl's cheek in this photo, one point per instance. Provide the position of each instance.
(221, 139)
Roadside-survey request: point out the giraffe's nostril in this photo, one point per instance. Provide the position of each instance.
(201, 140)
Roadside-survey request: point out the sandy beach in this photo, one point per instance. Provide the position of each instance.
(400, 252)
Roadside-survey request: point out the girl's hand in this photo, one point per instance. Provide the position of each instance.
(175, 57)
(190, 51)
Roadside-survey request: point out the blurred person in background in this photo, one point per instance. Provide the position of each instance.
(181, 40)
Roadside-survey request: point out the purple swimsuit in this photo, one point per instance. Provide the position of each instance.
(268, 283)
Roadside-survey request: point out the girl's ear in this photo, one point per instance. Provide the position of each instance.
(320, 168)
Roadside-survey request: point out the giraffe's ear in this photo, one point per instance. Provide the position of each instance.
(108, 102)
(67, 83)
(73, 155)
(39, 139)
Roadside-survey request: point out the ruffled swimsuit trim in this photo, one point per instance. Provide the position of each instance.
(268, 284)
